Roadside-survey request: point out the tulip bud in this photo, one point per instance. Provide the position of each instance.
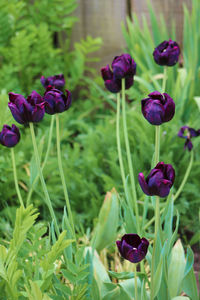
(158, 108)
(56, 81)
(159, 181)
(132, 247)
(167, 53)
(26, 110)
(9, 136)
(123, 66)
(56, 101)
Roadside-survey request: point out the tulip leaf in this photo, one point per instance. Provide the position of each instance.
(197, 100)
(189, 261)
(181, 298)
(190, 285)
(176, 269)
(126, 275)
(106, 229)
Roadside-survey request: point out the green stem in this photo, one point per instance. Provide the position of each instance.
(47, 198)
(135, 277)
(157, 224)
(164, 79)
(186, 176)
(15, 177)
(130, 166)
(118, 142)
(63, 177)
(44, 162)
(157, 144)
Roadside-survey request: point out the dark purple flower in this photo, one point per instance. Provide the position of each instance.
(158, 108)
(167, 53)
(26, 110)
(123, 66)
(159, 181)
(132, 247)
(9, 136)
(190, 133)
(56, 101)
(57, 81)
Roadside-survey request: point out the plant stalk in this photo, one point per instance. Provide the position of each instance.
(164, 79)
(130, 166)
(186, 176)
(15, 177)
(44, 162)
(121, 164)
(63, 177)
(47, 198)
(135, 277)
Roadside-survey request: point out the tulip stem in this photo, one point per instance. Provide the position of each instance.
(129, 156)
(44, 162)
(164, 79)
(157, 144)
(47, 198)
(157, 224)
(121, 164)
(63, 177)
(135, 277)
(186, 176)
(15, 177)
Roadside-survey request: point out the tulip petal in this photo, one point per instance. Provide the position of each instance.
(143, 184)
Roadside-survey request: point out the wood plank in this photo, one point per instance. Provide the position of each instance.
(171, 10)
(101, 18)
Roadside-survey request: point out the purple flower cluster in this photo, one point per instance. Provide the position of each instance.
(56, 101)
(123, 66)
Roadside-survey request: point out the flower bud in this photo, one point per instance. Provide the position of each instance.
(159, 181)
(56, 81)
(158, 108)
(123, 66)
(26, 110)
(56, 101)
(167, 53)
(132, 247)
(9, 136)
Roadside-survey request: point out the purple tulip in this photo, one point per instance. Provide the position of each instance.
(159, 181)
(56, 101)
(123, 66)
(190, 133)
(26, 110)
(57, 81)
(158, 108)
(167, 53)
(9, 136)
(132, 247)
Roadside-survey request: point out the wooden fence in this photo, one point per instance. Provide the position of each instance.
(102, 18)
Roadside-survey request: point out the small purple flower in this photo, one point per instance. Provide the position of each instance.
(158, 108)
(57, 81)
(167, 53)
(123, 66)
(26, 110)
(56, 101)
(159, 181)
(190, 133)
(132, 247)
(9, 136)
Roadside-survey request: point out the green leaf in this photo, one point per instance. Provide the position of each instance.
(176, 269)
(106, 229)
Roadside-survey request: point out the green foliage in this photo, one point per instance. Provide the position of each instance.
(29, 50)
